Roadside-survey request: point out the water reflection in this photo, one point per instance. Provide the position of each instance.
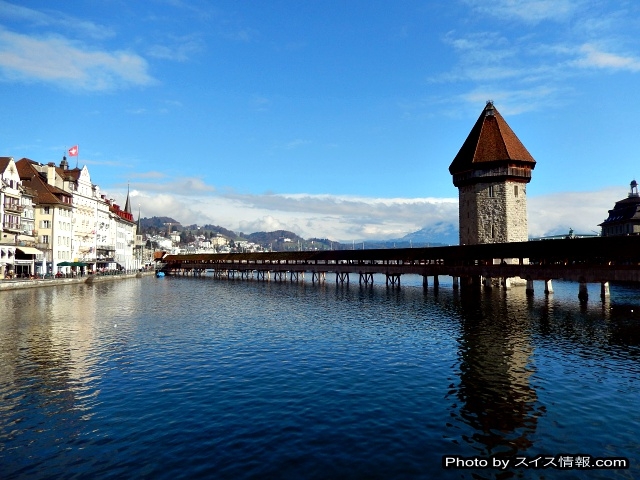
(497, 399)
(49, 366)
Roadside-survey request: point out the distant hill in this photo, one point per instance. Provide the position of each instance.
(266, 238)
(215, 229)
(158, 225)
(436, 235)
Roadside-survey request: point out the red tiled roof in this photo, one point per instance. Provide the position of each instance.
(44, 193)
(4, 161)
(490, 140)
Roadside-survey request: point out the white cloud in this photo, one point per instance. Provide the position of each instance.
(556, 213)
(528, 11)
(342, 218)
(61, 61)
(52, 18)
(593, 57)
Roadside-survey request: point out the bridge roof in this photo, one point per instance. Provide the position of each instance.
(491, 140)
(595, 250)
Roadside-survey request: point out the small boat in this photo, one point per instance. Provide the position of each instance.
(159, 274)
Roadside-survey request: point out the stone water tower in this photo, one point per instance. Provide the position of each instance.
(491, 171)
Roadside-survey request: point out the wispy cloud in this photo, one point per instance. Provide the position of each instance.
(181, 186)
(242, 35)
(528, 11)
(58, 60)
(593, 57)
(54, 18)
(179, 49)
(526, 69)
(297, 143)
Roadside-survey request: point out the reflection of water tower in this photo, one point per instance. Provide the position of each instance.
(491, 171)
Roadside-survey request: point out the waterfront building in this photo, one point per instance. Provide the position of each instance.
(88, 229)
(624, 218)
(124, 228)
(86, 200)
(491, 171)
(17, 242)
(53, 212)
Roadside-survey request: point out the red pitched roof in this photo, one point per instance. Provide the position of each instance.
(4, 162)
(490, 140)
(44, 193)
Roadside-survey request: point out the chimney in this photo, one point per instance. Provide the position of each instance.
(51, 173)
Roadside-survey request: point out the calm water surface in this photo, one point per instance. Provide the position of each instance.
(190, 378)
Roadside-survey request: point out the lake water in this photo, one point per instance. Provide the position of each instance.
(204, 378)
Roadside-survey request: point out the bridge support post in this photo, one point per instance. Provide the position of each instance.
(487, 282)
(529, 286)
(319, 277)
(425, 281)
(279, 276)
(366, 278)
(296, 276)
(548, 287)
(604, 290)
(583, 293)
(506, 283)
(342, 277)
(436, 282)
(393, 279)
(456, 283)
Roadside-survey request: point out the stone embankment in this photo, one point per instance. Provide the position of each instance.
(50, 282)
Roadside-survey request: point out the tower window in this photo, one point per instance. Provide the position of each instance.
(491, 192)
(515, 190)
(493, 232)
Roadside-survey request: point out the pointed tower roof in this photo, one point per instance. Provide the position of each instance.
(127, 203)
(490, 142)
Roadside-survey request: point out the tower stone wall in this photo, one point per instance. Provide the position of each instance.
(493, 212)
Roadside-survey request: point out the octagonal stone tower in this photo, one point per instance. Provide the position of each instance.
(491, 171)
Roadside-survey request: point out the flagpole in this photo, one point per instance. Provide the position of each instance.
(78, 156)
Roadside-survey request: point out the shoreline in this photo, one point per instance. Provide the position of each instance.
(90, 279)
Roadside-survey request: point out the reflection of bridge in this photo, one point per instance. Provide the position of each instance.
(585, 260)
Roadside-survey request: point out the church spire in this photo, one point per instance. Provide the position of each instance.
(127, 204)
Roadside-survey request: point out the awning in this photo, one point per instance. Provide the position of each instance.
(29, 250)
(65, 264)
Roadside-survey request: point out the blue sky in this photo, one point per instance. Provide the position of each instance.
(333, 119)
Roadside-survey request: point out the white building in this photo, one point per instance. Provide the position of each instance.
(88, 230)
(52, 212)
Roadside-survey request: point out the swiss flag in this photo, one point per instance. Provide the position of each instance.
(73, 151)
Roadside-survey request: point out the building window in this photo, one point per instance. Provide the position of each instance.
(515, 190)
(45, 210)
(46, 224)
(45, 238)
(491, 192)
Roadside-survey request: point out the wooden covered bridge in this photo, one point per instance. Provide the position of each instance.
(584, 260)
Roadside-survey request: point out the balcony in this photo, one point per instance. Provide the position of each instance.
(13, 207)
(12, 227)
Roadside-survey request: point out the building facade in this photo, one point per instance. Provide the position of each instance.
(624, 218)
(75, 223)
(491, 171)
